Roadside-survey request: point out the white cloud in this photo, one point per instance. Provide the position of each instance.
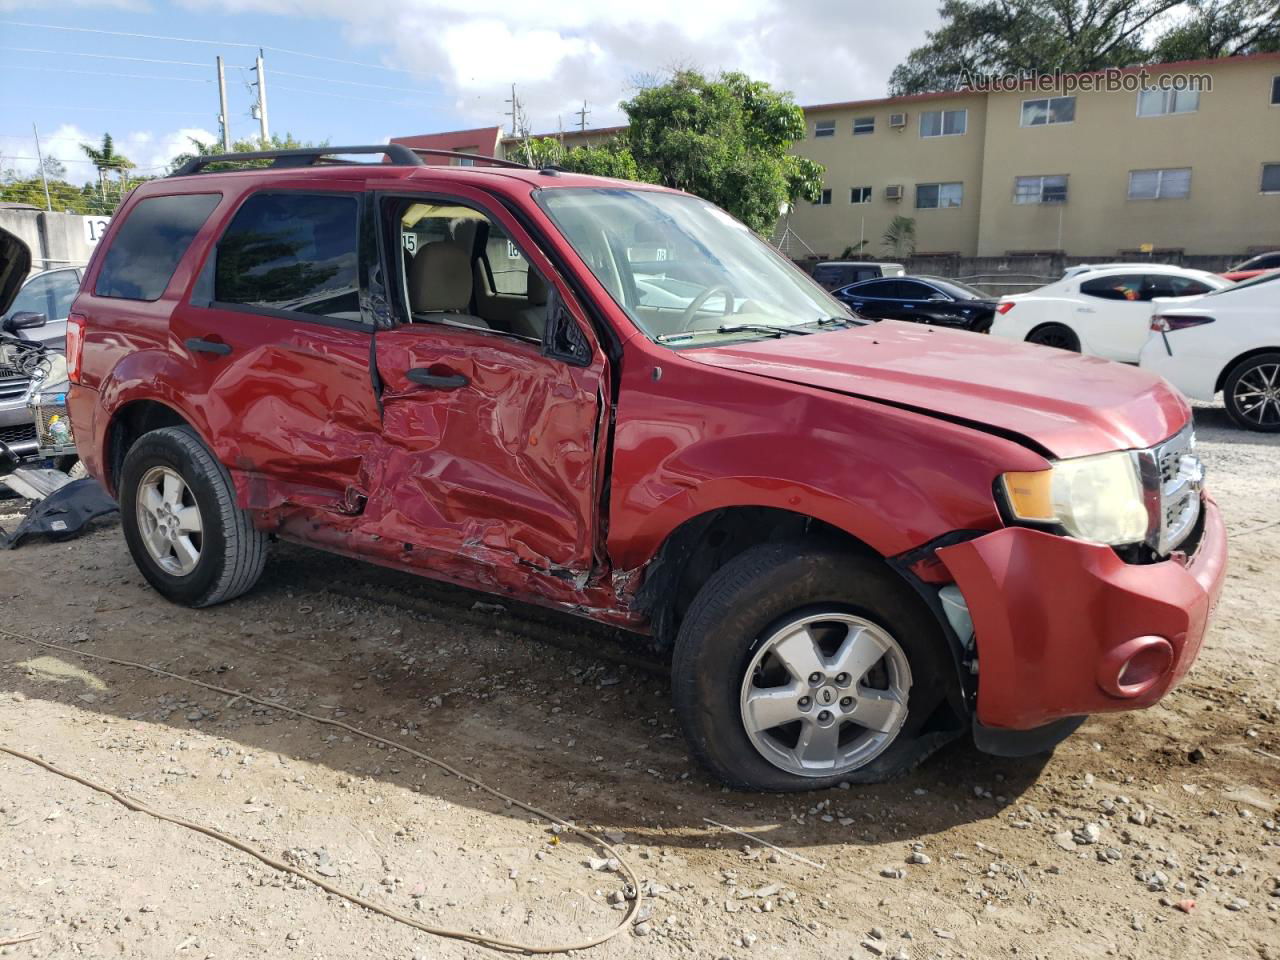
(150, 150)
(559, 53)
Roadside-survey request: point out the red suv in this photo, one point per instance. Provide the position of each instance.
(856, 541)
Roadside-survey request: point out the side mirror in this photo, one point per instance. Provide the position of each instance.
(24, 320)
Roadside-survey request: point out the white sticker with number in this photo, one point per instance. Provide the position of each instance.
(410, 241)
(94, 228)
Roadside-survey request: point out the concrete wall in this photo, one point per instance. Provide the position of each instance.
(55, 239)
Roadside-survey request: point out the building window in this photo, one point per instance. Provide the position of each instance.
(1159, 103)
(943, 123)
(1271, 178)
(1160, 184)
(864, 125)
(824, 200)
(859, 194)
(930, 196)
(824, 128)
(1275, 91)
(1040, 189)
(1037, 113)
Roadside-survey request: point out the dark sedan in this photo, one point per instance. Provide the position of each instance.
(932, 300)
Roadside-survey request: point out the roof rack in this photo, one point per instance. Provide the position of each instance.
(305, 157)
(496, 161)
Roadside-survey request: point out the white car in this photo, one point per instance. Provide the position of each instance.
(1104, 312)
(1227, 340)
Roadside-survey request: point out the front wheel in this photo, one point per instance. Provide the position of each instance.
(801, 666)
(181, 522)
(1252, 393)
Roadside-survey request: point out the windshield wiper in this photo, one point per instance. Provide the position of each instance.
(730, 328)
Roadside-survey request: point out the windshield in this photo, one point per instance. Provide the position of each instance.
(682, 268)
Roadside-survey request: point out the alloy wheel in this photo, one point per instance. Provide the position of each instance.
(169, 520)
(826, 693)
(1257, 394)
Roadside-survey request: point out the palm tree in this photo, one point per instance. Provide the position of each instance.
(105, 158)
(899, 239)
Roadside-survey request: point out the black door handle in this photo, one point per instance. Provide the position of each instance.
(196, 345)
(424, 377)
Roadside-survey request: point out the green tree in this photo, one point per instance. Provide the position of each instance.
(611, 159)
(1039, 36)
(105, 159)
(725, 138)
(899, 238)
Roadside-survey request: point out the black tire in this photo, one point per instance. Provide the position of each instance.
(1255, 372)
(1055, 335)
(737, 609)
(233, 551)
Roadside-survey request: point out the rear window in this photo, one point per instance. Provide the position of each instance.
(149, 244)
(1126, 287)
(292, 252)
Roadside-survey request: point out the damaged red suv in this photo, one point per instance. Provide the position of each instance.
(856, 541)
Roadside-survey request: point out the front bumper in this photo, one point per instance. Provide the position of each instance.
(1066, 628)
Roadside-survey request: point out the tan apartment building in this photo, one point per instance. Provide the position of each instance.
(1059, 169)
(1086, 173)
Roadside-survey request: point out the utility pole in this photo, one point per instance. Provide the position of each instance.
(223, 123)
(48, 204)
(263, 130)
(582, 117)
(514, 112)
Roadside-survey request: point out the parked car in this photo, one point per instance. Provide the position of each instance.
(1247, 269)
(1080, 268)
(33, 309)
(838, 273)
(813, 514)
(1226, 341)
(931, 300)
(1105, 312)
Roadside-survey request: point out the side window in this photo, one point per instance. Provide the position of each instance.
(461, 268)
(149, 244)
(881, 289)
(1164, 285)
(48, 293)
(1128, 287)
(911, 290)
(296, 253)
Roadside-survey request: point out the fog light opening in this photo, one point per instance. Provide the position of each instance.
(1139, 665)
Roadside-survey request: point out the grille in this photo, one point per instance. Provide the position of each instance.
(20, 433)
(13, 383)
(1181, 476)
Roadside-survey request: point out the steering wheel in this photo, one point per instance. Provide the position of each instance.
(691, 311)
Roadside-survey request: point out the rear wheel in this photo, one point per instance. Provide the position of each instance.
(1055, 335)
(1252, 393)
(801, 666)
(181, 522)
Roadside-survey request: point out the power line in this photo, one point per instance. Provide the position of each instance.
(77, 106)
(99, 73)
(356, 83)
(103, 56)
(14, 156)
(224, 43)
(341, 96)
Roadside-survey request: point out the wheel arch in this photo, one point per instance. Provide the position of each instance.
(1225, 372)
(128, 423)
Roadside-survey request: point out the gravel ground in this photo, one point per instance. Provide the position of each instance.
(1148, 835)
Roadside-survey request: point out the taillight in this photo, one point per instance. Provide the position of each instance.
(1005, 307)
(1162, 324)
(75, 345)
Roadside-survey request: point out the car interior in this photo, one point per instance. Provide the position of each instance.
(460, 268)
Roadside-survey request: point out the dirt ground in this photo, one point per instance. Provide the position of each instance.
(1088, 853)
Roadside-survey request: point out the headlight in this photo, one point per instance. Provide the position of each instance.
(1097, 498)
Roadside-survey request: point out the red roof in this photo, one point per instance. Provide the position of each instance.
(480, 140)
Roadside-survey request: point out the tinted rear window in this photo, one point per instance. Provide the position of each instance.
(294, 252)
(147, 247)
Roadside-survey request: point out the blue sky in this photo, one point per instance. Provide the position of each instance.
(359, 71)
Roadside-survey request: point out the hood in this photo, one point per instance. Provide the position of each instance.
(1065, 404)
(15, 264)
